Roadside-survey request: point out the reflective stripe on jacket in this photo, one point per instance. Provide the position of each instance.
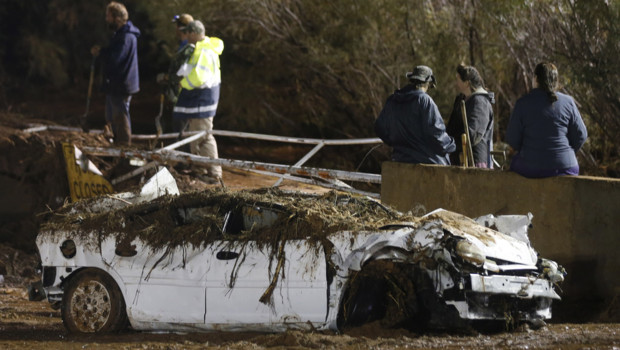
(200, 91)
(197, 103)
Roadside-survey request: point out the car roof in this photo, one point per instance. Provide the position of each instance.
(312, 216)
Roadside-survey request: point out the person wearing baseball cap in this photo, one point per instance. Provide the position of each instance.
(411, 124)
(182, 21)
(170, 81)
(197, 102)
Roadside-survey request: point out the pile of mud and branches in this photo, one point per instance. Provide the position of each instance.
(32, 176)
(163, 222)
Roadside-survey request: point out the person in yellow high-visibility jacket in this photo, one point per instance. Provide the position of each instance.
(200, 93)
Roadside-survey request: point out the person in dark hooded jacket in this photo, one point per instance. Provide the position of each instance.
(411, 124)
(479, 111)
(120, 70)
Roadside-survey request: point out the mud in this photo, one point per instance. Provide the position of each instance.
(34, 325)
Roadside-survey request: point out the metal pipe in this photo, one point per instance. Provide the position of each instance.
(151, 165)
(312, 181)
(301, 162)
(265, 137)
(177, 156)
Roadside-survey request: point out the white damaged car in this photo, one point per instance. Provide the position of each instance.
(270, 261)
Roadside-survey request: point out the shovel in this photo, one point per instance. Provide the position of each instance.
(161, 112)
(90, 91)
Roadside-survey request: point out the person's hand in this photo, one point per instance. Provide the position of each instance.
(95, 50)
(161, 78)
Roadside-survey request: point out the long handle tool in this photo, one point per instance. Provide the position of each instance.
(470, 153)
(90, 91)
(158, 119)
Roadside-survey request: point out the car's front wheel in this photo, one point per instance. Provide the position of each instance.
(92, 302)
(383, 290)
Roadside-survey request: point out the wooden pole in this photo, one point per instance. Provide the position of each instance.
(470, 153)
(464, 158)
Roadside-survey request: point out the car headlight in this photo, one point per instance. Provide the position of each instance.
(470, 253)
(553, 271)
(67, 248)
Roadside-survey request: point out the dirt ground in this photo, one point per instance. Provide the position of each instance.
(32, 181)
(35, 325)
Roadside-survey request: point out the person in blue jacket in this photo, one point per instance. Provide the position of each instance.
(411, 124)
(120, 71)
(545, 129)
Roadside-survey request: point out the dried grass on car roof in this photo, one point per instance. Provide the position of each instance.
(311, 217)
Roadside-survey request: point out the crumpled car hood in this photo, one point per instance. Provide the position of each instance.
(513, 253)
(495, 245)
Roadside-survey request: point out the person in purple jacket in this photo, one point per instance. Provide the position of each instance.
(545, 129)
(120, 71)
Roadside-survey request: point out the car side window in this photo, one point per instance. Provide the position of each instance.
(191, 215)
(250, 218)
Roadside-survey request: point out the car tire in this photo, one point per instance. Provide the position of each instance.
(382, 291)
(92, 303)
(366, 302)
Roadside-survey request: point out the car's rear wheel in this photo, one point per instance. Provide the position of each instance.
(92, 302)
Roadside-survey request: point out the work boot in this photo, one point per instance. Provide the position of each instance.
(210, 180)
(107, 133)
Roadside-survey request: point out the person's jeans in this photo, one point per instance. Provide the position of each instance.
(117, 115)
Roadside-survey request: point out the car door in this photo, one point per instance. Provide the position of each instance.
(163, 285)
(290, 279)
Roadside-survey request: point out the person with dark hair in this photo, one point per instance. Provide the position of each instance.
(479, 112)
(120, 71)
(181, 22)
(411, 124)
(171, 82)
(545, 129)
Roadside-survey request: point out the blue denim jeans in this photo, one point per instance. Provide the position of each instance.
(117, 115)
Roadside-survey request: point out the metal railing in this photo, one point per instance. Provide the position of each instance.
(329, 178)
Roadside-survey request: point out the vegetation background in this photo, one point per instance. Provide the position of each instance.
(322, 68)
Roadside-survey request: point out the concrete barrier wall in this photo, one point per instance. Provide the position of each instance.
(576, 218)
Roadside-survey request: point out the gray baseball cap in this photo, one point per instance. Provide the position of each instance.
(423, 74)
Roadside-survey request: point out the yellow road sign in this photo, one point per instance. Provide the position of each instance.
(84, 181)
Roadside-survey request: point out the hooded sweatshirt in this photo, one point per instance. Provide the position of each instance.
(479, 111)
(410, 122)
(120, 62)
